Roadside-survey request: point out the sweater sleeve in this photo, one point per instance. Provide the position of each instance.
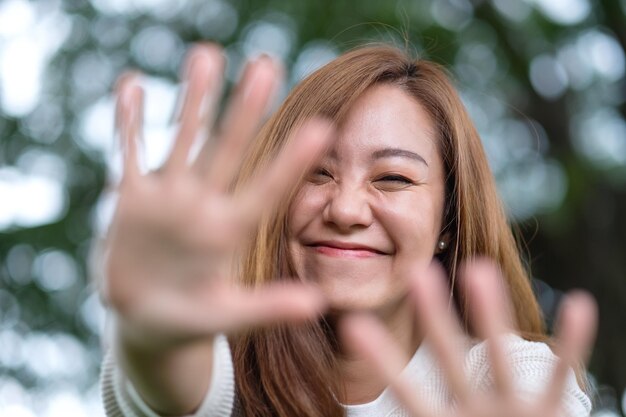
(532, 365)
(122, 400)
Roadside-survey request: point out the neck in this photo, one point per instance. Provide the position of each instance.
(361, 384)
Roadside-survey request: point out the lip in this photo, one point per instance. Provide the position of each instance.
(344, 249)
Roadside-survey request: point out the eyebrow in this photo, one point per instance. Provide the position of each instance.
(403, 153)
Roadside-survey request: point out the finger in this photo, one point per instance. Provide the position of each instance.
(243, 116)
(202, 81)
(128, 120)
(226, 309)
(491, 317)
(576, 328)
(278, 302)
(442, 328)
(366, 337)
(271, 185)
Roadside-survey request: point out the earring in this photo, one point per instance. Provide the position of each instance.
(442, 245)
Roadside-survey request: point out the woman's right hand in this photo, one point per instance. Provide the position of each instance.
(175, 231)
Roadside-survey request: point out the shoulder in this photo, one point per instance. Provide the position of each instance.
(531, 366)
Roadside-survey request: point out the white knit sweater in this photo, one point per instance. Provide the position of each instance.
(531, 366)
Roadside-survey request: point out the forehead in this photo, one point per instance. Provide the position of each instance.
(386, 116)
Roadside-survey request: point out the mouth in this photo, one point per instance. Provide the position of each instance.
(345, 249)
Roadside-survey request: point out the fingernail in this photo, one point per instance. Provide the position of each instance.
(193, 56)
(260, 67)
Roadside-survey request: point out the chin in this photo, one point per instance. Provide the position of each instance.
(363, 300)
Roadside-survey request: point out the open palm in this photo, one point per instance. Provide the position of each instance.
(172, 241)
(493, 323)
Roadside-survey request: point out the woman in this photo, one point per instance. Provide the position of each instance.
(317, 226)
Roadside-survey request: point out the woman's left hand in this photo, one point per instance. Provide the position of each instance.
(491, 319)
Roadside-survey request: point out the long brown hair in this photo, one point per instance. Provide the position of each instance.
(290, 370)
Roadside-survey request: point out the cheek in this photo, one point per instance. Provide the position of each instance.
(305, 209)
(414, 223)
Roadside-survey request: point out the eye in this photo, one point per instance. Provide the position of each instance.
(393, 182)
(395, 178)
(319, 175)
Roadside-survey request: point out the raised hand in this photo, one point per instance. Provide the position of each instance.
(493, 323)
(175, 231)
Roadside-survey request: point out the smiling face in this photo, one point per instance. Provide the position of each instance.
(374, 205)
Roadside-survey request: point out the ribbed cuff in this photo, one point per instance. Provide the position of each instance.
(120, 398)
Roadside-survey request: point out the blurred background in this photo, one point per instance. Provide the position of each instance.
(543, 80)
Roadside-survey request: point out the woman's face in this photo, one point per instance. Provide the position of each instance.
(373, 206)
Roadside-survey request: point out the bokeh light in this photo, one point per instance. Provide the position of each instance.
(548, 77)
(565, 12)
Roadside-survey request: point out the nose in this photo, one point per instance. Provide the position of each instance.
(348, 209)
